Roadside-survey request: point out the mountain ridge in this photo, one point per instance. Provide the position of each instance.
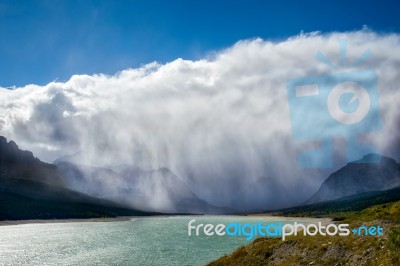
(32, 189)
(359, 176)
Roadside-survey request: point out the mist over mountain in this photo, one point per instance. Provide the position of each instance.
(102, 191)
(150, 190)
(31, 189)
(261, 194)
(358, 177)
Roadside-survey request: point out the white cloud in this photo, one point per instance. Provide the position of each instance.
(218, 123)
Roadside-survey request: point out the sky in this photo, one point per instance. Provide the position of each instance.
(198, 87)
(42, 41)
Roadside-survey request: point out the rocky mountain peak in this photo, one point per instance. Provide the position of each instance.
(373, 172)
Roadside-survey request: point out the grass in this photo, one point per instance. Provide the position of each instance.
(305, 250)
(387, 211)
(394, 239)
(343, 207)
(332, 250)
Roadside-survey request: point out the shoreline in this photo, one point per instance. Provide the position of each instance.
(324, 220)
(68, 220)
(128, 218)
(290, 217)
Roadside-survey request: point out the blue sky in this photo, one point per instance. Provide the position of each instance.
(46, 40)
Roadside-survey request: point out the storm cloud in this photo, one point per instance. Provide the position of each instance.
(221, 124)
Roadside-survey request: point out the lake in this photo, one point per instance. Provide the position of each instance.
(139, 241)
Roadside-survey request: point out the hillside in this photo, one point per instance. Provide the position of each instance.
(333, 250)
(343, 206)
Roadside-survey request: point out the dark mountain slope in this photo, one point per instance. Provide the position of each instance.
(16, 163)
(357, 177)
(31, 189)
(22, 199)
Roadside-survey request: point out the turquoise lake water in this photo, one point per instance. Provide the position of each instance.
(140, 241)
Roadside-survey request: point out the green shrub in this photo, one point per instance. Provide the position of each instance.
(394, 238)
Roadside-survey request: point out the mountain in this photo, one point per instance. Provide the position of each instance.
(31, 189)
(358, 177)
(151, 190)
(95, 181)
(16, 163)
(161, 187)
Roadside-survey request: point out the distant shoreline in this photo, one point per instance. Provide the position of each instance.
(324, 220)
(128, 218)
(70, 220)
